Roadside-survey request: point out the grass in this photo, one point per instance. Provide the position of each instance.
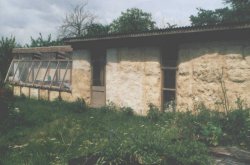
(41, 132)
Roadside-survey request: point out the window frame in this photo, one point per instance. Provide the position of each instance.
(168, 54)
(31, 63)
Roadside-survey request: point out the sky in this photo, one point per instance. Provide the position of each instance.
(26, 18)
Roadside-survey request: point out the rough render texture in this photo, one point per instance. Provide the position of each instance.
(81, 80)
(133, 77)
(81, 75)
(202, 65)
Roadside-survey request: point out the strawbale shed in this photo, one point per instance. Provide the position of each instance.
(187, 65)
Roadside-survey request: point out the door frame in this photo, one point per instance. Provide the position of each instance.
(103, 53)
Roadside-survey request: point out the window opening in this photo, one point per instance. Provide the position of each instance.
(169, 67)
(98, 59)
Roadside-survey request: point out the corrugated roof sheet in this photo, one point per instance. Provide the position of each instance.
(167, 31)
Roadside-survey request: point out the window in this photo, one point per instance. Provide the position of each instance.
(45, 71)
(169, 66)
(98, 59)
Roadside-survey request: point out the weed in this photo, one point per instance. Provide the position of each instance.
(211, 133)
(22, 96)
(127, 111)
(236, 128)
(153, 112)
(110, 107)
(224, 99)
(79, 105)
(170, 106)
(42, 132)
(240, 103)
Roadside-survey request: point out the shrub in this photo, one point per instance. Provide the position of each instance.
(204, 126)
(211, 133)
(22, 96)
(187, 153)
(110, 107)
(170, 106)
(6, 97)
(236, 128)
(6, 93)
(3, 109)
(127, 111)
(79, 105)
(153, 112)
(240, 103)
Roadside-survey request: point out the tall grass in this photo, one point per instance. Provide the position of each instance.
(41, 132)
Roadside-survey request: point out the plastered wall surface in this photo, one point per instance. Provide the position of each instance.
(81, 80)
(81, 76)
(133, 77)
(203, 67)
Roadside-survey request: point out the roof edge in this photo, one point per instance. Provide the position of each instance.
(167, 31)
(49, 49)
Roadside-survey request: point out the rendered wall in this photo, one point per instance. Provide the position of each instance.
(81, 80)
(133, 77)
(201, 65)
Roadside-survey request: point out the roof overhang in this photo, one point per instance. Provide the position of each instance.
(179, 34)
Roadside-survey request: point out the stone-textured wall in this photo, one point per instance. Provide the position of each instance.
(81, 81)
(133, 77)
(200, 67)
(81, 75)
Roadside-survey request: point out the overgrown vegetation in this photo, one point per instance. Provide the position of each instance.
(41, 41)
(233, 12)
(82, 23)
(41, 132)
(6, 46)
(133, 20)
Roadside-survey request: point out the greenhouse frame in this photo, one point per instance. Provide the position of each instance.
(49, 69)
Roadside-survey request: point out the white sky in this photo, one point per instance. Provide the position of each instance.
(26, 18)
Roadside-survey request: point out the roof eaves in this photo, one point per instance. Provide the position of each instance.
(178, 30)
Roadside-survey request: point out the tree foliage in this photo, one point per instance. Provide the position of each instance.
(133, 20)
(76, 22)
(97, 29)
(40, 41)
(6, 46)
(235, 11)
(80, 22)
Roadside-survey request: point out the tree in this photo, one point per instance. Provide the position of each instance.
(40, 41)
(76, 22)
(133, 20)
(170, 26)
(97, 29)
(236, 11)
(6, 46)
